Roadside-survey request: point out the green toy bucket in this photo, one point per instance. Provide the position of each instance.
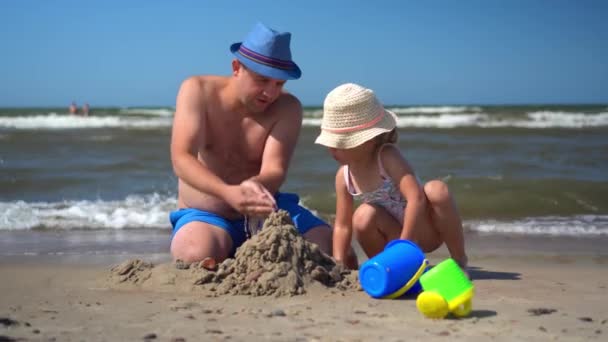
(448, 279)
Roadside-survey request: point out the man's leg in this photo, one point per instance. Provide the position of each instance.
(308, 225)
(321, 235)
(196, 241)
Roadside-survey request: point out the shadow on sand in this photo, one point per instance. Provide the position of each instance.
(479, 314)
(478, 273)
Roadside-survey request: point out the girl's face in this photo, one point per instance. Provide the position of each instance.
(340, 155)
(346, 156)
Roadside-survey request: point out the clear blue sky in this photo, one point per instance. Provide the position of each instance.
(129, 53)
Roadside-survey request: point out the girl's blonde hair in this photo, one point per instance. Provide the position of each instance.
(387, 138)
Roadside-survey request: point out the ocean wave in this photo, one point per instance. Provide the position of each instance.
(135, 211)
(443, 120)
(433, 109)
(313, 113)
(317, 113)
(567, 119)
(151, 211)
(577, 226)
(311, 122)
(59, 121)
(426, 121)
(532, 120)
(148, 111)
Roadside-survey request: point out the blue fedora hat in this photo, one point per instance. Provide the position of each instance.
(267, 52)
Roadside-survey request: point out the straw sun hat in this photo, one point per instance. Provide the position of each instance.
(353, 115)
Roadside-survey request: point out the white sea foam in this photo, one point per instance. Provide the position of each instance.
(148, 111)
(151, 211)
(582, 225)
(433, 109)
(313, 113)
(59, 121)
(442, 120)
(135, 211)
(548, 119)
(568, 119)
(311, 122)
(429, 121)
(533, 120)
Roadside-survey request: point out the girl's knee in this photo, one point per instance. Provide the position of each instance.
(437, 192)
(363, 218)
(430, 245)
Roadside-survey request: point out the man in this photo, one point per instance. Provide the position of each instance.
(232, 141)
(73, 108)
(85, 109)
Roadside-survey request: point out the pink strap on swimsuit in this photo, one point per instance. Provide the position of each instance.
(387, 195)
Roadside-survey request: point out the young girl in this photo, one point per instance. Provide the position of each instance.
(360, 134)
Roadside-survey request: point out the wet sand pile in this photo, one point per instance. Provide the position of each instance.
(277, 261)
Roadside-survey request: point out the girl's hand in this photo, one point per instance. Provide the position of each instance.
(351, 261)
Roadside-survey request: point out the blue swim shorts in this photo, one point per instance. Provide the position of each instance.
(303, 219)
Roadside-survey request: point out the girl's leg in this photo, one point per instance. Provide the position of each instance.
(446, 220)
(374, 227)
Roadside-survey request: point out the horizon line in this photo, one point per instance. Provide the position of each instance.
(513, 104)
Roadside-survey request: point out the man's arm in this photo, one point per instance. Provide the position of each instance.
(280, 144)
(185, 140)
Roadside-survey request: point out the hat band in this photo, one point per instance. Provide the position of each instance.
(269, 61)
(356, 128)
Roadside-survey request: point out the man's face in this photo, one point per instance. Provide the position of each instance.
(257, 92)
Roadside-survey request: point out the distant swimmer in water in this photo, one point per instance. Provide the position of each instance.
(73, 108)
(85, 109)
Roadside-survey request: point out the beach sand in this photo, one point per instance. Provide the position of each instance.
(524, 291)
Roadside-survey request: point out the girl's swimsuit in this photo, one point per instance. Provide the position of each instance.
(387, 195)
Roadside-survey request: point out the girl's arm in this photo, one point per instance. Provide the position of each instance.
(403, 175)
(343, 224)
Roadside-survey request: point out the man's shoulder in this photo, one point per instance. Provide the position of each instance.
(288, 103)
(289, 99)
(204, 84)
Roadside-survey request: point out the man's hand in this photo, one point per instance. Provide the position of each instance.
(251, 198)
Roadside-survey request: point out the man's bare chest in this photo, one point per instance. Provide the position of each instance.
(235, 141)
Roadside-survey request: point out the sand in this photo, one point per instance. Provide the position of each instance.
(277, 261)
(521, 294)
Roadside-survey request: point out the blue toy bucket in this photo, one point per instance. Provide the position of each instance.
(393, 271)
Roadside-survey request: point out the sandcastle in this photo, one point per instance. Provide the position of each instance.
(276, 261)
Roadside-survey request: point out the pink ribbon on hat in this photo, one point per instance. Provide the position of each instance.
(358, 127)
